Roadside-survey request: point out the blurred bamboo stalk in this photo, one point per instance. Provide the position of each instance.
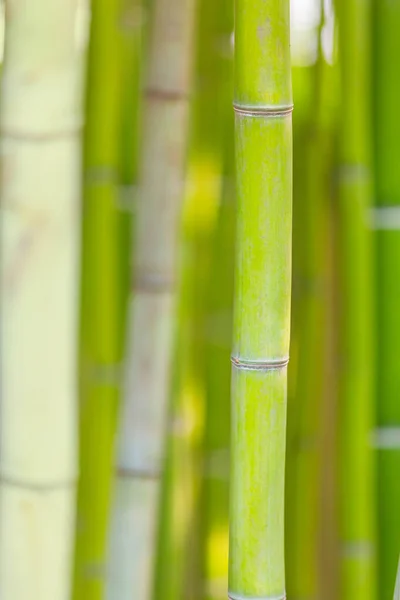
(143, 423)
(305, 581)
(218, 330)
(178, 553)
(263, 104)
(40, 215)
(103, 291)
(357, 506)
(385, 221)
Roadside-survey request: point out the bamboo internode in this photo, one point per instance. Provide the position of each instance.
(150, 338)
(39, 256)
(262, 298)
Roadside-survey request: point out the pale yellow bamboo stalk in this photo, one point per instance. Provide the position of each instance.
(39, 245)
(143, 423)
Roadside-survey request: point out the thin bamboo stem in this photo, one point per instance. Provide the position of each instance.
(305, 582)
(40, 214)
(217, 424)
(103, 294)
(263, 105)
(386, 92)
(357, 510)
(143, 422)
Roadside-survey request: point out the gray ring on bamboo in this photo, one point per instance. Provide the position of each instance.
(233, 596)
(47, 136)
(135, 473)
(359, 550)
(166, 95)
(263, 111)
(153, 283)
(264, 365)
(37, 487)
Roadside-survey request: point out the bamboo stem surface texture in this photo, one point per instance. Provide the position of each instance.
(386, 223)
(161, 185)
(39, 249)
(263, 106)
(102, 295)
(357, 510)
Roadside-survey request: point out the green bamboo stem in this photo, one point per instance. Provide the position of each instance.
(102, 294)
(143, 421)
(178, 550)
(305, 581)
(357, 510)
(40, 125)
(218, 331)
(263, 105)
(301, 90)
(387, 131)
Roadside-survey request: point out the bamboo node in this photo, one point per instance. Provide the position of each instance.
(165, 95)
(136, 473)
(358, 550)
(261, 365)
(263, 111)
(386, 438)
(36, 486)
(233, 596)
(153, 283)
(42, 136)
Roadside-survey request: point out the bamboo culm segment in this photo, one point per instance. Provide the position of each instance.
(356, 502)
(102, 296)
(387, 193)
(143, 420)
(262, 298)
(39, 254)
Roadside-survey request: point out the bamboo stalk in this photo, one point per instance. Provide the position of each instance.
(102, 304)
(357, 510)
(387, 131)
(40, 162)
(305, 582)
(143, 423)
(217, 422)
(263, 105)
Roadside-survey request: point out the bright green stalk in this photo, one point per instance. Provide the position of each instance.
(356, 360)
(386, 221)
(102, 295)
(263, 105)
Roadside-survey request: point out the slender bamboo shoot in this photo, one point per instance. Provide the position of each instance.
(263, 105)
(357, 510)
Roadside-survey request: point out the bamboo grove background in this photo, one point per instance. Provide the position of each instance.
(121, 213)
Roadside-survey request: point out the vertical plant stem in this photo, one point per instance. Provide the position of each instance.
(40, 217)
(386, 88)
(357, 510)
(218, 330)
(103, 294)
(263, 104)
(311, 331)
(143, 422)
